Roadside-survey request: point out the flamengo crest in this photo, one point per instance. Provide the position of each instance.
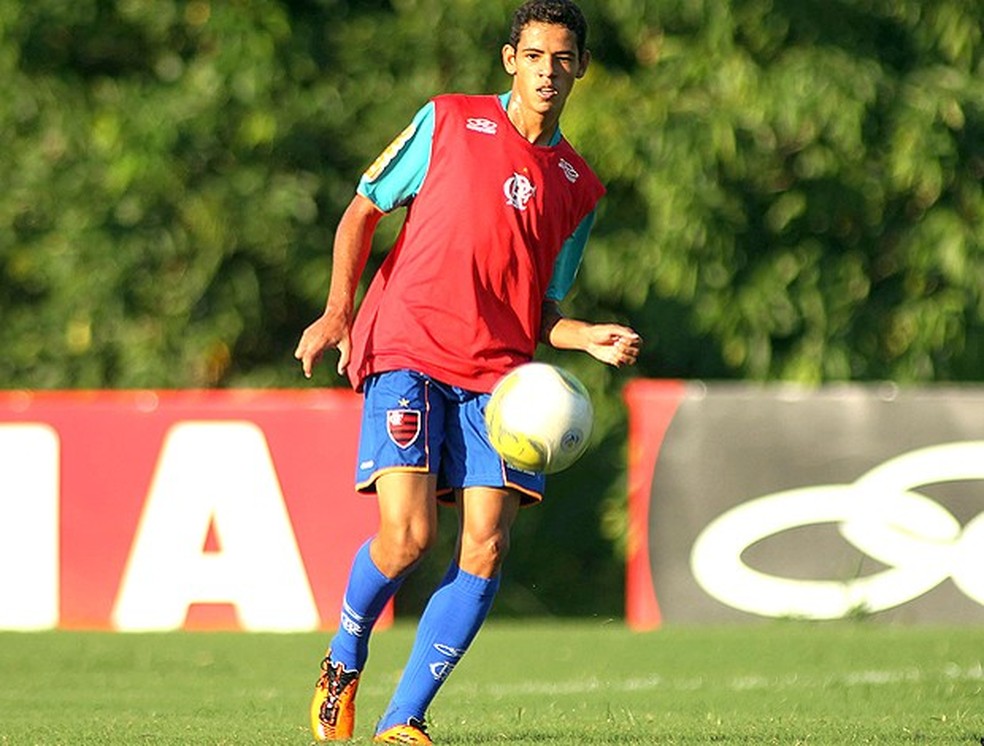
(403, 426)
(518, 190)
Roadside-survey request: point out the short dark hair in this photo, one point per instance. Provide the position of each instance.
(560, 12)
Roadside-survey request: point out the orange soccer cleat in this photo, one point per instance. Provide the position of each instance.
(333, 704)
(412, 732)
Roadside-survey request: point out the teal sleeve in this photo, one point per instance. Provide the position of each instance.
(397, 174)
(569, 260)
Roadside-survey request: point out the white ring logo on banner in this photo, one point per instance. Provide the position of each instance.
(881, 514)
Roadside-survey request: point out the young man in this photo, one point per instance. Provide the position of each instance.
(499, 206)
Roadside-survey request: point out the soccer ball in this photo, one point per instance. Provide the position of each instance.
(539, 418)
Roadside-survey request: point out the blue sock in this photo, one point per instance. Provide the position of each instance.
(447, 627)
(366, 595)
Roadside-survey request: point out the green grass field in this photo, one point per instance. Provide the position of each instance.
(533, 682)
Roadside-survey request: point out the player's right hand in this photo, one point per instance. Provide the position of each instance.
(325, 333)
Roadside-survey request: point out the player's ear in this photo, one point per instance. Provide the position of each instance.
(582, 64)
(509, 58)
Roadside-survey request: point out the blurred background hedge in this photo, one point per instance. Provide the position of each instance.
(795, 193)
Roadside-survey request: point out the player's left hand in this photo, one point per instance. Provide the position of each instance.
(613, 344)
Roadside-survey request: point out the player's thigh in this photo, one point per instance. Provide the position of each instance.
(407, 521)
(407, 502)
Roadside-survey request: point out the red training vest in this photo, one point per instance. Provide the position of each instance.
(459, 296)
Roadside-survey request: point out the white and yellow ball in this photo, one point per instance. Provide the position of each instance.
(539, 418)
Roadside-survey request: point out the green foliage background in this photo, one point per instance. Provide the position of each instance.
(795, 193)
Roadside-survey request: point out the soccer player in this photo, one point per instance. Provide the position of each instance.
(498, 211)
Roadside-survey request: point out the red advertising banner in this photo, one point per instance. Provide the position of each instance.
(156, 510)
(651, 405)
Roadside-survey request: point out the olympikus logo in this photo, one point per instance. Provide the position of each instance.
(482, 125)
(883, 513)
(441, 669)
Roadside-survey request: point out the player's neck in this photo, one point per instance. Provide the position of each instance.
(536, 128)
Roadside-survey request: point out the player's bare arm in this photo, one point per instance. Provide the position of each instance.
(613, 344)
(353, 240)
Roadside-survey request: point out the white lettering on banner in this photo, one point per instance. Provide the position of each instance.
(882, 514)
(217, 474)
(29, 476)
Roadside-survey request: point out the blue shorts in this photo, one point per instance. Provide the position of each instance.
(414, 423)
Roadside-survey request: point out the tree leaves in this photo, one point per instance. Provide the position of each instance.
(797, 188)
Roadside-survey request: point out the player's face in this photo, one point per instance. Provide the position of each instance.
(544, 65)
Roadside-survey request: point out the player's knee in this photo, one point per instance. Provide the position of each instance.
(484, 555)
(422, 539)
(401, 550)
